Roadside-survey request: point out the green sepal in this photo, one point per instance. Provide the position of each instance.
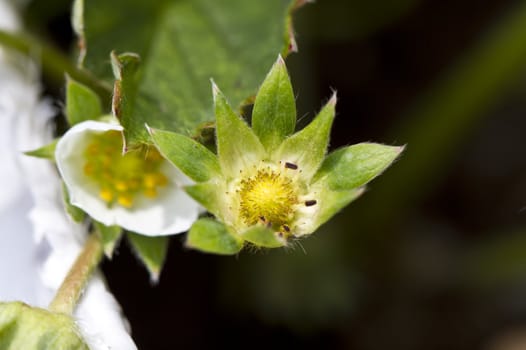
(308, 147)
(31, 328)
(46, 152)
(211, 236)
(209, 195)
(331, 202)
(274, 113)
(354, 166)
(262, 236)
(191, 157)
(151, 251)
(237, 145)
(109, 236)
(81, 103)
(77, 214)
(125, 69)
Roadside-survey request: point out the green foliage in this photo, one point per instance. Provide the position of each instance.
(237, 145)
(274, 113)
(194, 159)
(309, 146)
(151, 251)
(24, 327)
(210, 236)
(46, 152)
(81, 103)
(125, 69)
(354, 166)
(209, 194)
(74, 212)
(183, 44)
(109, 236)
(264, 237)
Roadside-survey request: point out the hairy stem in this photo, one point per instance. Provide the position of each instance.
(78, 276)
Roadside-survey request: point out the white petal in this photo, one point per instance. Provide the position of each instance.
(173, 211)
(19, 257)
(100, 319)
(23, 120)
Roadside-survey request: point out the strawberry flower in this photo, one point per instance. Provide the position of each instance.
(139, 190)
(268, 185)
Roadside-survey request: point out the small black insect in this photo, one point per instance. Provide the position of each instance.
(310, 203)
(291, 166)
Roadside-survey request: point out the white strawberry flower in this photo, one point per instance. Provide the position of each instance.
(139, 190)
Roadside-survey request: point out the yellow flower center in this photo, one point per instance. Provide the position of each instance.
(120, 178)
(268, 197)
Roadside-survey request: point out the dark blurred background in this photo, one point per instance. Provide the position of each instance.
(433, 256)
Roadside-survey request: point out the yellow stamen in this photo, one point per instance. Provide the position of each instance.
(267, 197)
(121, 186)
(106, 195)
(125, 200)
(121, 178)
(150, 192)
(149, 181)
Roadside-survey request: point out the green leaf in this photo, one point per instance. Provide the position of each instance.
(185, 43)
(191, 157)
(125, 69)
(74, 212)
(151, 251)
(211, 236)
(46, 152)
(355, 165)
(209, 195)
(109, 236)
(237, 145)
(25, 327)
(262, 236)
(81, 103)
(274, 113)
(118, 25)
(308, 147)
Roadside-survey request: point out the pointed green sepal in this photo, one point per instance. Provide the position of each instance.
(209, 195)
(151, 251)
(81, 103)
(274, 113)
(109, 236)
(356, 165)
(191, 157)
(261, 236)
(237, 145)
(77, 214)
(308, 147)
(31, 328)
(46, 152)
(211, 236)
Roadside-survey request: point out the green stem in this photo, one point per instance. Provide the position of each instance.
(68, 294)
(54, 62)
